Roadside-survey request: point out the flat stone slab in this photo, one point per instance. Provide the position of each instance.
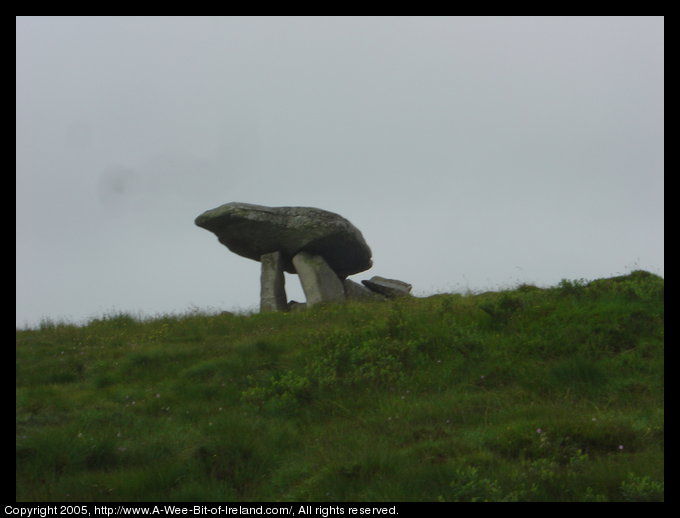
(391, 288)
(254, 230)
(355, 291)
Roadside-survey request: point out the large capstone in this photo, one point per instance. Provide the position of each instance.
(255, 230)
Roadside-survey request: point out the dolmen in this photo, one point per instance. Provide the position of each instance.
(321, 247)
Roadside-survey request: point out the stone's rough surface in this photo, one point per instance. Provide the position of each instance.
(272, 283)
(254, 230)
(356, 291)
(319, 281)
(389, 287)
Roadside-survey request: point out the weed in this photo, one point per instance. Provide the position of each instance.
(642, 489)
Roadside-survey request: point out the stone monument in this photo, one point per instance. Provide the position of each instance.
(322, 247)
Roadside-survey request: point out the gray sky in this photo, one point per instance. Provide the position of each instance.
(472, 153)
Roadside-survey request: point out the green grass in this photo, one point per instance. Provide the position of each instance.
(521, 395)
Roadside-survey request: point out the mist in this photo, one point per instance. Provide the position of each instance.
(473, 153)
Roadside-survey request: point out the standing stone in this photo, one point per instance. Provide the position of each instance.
(319, 282)
(391, 288)
(272, 283)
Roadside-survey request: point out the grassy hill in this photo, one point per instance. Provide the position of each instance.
(526, 394)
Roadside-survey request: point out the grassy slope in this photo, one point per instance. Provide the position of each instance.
(528, 394)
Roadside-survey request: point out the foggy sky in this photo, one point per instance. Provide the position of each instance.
(473, 153)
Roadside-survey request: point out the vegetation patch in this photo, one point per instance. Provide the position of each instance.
(527, 394)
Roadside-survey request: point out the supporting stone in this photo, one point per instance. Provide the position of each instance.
(272, 283)
(319, 282)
